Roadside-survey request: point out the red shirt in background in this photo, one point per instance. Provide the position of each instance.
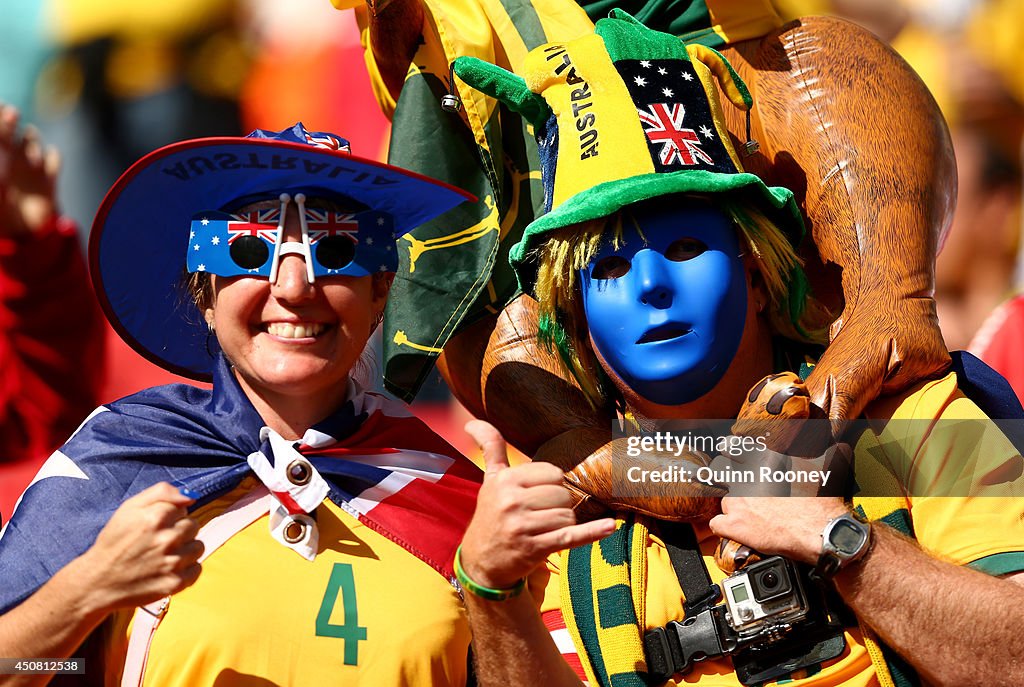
(1000, 342)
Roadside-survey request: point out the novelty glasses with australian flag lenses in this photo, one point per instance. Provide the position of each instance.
(252, 243)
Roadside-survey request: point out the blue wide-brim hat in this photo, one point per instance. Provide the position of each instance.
(139, 238)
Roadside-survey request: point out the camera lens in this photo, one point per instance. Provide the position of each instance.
(769, 580)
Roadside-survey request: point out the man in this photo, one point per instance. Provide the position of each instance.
(649, 258)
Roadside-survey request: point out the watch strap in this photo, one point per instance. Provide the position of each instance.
(826, 568)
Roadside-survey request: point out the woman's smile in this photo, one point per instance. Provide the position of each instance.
(295, 330)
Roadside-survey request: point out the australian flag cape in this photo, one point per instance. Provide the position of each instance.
(381, 463)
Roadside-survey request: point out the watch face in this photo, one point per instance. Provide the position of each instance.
(846, 537)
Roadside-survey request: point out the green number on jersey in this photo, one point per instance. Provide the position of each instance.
(341, 581)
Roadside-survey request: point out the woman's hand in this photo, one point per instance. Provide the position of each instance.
(523, 514)
(146, 551)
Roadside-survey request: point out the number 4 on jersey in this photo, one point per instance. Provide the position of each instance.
(341, 585)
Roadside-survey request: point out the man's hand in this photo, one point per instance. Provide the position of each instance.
(28, 177)
(523, 514)
(146, 551)
(788, 526)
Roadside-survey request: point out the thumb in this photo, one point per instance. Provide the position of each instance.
(490, 441)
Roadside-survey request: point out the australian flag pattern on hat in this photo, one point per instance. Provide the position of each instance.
(675, 115)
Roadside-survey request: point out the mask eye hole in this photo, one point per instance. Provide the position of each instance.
(611, 267)
(685, 249)
(335, 252)
(249, 252)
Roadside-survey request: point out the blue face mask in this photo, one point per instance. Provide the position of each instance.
(667, 316)
(251, 245)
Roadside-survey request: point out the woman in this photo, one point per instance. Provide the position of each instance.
(286, 526)
(666, 276)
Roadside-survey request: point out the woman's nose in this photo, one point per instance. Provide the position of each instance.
(654, 287)
(292, 282)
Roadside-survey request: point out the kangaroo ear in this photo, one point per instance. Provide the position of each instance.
(505, 86)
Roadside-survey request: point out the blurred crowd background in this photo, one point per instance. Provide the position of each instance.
(107, 81)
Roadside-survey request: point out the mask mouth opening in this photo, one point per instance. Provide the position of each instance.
(665, 332)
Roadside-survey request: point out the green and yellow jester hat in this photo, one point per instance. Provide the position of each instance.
(623, 115)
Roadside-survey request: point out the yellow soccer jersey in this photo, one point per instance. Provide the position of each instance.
(363, 612)
(961, 478)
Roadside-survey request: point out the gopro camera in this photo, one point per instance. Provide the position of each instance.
(764, 599)
(773, 622)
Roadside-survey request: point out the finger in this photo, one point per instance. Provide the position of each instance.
(185, 529)
(51, 162)
(8, 123)
(577, 535)
(32, 146)
(162, 517)
(8, 128)
(491, 443)
(187, 577)
(544, 496)
(723, 526)
(189, 553)
(161, 492)
(549, 520)
(540, 473)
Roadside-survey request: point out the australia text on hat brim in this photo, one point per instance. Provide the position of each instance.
(609, 197)
(139, 237)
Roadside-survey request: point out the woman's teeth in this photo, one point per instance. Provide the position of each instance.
(286, 330)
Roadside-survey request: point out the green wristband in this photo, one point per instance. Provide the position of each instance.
(480, 590)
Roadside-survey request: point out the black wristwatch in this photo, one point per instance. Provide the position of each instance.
(844, 540)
